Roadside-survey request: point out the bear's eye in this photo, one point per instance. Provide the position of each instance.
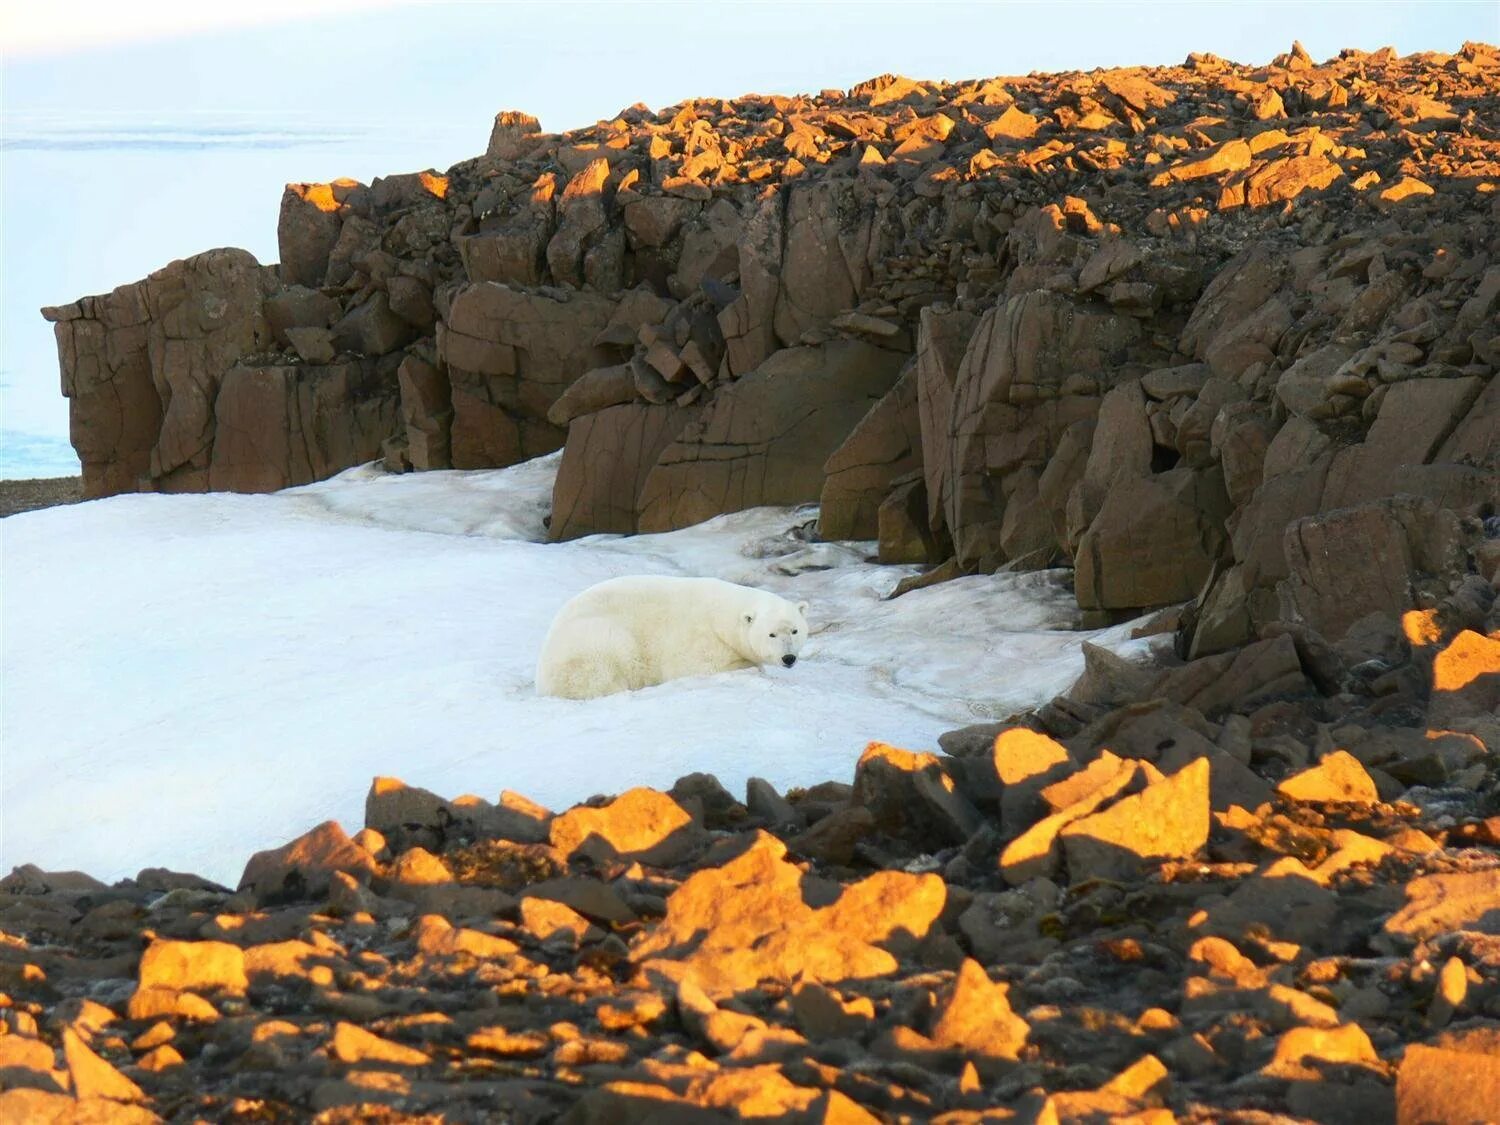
(773, 636)
(794, 632)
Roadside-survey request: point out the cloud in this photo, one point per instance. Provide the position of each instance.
(65, 26)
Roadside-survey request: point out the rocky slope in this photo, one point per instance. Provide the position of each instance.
(1256, 887)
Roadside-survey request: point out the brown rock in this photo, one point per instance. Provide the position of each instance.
(821, 1013)
(608, 458)
(1466, 677)
(1154, 541)
(513, 135)
(1302, 1051)
(40, 1107)
(285, 425)
(833, 838)
(92, 1076)
(1436, 904)
(1020, 764)
(193, 966)
(350, 1044)
(1275, 181)
(884, 446)
(976, 1018)
(510, 354)
(1231, 156)
(1168, 820)
(1338, 777)
(942, 338)
(372, 329)
(640, 824)
(1037, 851)
(1349, 563)
(302, 868)
(426, 412)
(766, 437)
(311, 219)
(1433, 1084)
(1011, 126)
(911, 796)
(151, 1003)
(729, 927)
(140, 410)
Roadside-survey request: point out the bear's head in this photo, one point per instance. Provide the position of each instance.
(775, 630)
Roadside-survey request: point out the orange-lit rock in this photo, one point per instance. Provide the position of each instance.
(1421, 627)
(1167, 820)
(1338, 777)
(1459, 900)
(730, 926)
(1434, 1084)
(1470, 664)
(304, 866)
(1301, 1052)
(640, 824)
(976, 1018)
(92, 1076)
(351, 1044)
(193, 965)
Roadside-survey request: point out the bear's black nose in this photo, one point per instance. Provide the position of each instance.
(789, 660)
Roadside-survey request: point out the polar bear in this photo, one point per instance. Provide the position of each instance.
(632, 632)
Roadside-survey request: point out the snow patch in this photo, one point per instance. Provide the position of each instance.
(189, 679)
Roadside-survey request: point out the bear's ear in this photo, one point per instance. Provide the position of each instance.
(802, 608)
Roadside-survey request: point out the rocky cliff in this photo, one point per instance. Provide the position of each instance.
(1012, 321)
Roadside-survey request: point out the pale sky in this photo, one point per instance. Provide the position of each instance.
(575, 63)
(29, 28)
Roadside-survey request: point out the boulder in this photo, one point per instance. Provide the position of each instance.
(1169, 819)
(640, 824)
(729, 927)
(426, 412)
(309, 225)
(942, 338)
(509, 355)
(1373, 558)
(303, 868)
(142, 366)
(1032, 368)
(1154, 541)
(765, 438)
(605, 465)
(280, 426)
(513, 135)
(511, 246)
(884, 446)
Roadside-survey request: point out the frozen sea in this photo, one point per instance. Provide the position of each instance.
(92, 201)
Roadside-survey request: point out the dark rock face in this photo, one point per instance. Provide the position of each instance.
(143, 365)
(765, 439)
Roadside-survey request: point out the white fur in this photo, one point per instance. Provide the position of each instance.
(633, 632)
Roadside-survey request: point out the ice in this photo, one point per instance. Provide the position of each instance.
(188, 679)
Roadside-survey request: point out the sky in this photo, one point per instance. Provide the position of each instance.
(575, 63)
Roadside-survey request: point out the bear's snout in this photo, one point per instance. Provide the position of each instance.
(789, 660)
